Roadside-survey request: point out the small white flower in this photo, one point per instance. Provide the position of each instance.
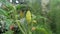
(22, 20)
(17, 1)
(10, 0)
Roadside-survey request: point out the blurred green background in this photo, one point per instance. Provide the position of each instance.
(45, 16)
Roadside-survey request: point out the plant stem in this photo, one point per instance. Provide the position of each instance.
(20, 27)
(15, 12)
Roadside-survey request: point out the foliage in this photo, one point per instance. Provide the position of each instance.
(12, 13)
(54, 16)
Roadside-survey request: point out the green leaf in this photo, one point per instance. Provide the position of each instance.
(9, 32)
(3, 12)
